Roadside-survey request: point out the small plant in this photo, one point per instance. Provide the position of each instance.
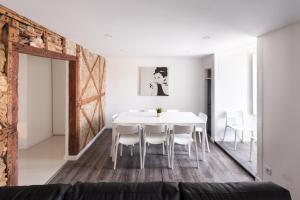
(159, 110)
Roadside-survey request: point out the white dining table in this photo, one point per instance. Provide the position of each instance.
(168, 118)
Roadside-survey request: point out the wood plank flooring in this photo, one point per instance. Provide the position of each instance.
(242, 154)
(96, 165)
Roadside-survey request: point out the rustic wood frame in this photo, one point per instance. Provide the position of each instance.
(10, 20)
(73, 96)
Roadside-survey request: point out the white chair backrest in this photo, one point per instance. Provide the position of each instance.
(172, 110)
(114, 117)
(155, 128)
(203, 116)
(251, 121)
(134, 110)
(151, 110)
(128, 129)
(235, 117)
(180, 129)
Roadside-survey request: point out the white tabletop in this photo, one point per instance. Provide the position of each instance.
(151, 118)
(169, 118)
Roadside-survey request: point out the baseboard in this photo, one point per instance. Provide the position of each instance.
(55, 173)
(257, 179)
(76, 157)
(234, 159)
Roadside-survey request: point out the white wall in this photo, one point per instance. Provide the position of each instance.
(279, 59)
(22, 92)
(60, 96)
(43, 99)
(232, 87)
(186, 85)
(35, 100)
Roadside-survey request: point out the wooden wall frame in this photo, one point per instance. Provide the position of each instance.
(9, 22)
(73, 87)
(73, 95)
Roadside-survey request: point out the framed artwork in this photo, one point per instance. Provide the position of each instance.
(154, 81)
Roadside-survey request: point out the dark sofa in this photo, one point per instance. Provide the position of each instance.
(148, 191)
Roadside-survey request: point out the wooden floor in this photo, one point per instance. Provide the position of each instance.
(96, 165)
(242, 154)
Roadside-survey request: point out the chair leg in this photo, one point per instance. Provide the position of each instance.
(131, 151)
(141, 158)
(144, 157)
(189, 150)
(242, 136)
(251, 149)
(121, 150)
(116, 155)
(199, 134)
(224, 133)
(173, 154)
(235, 140)
(207, 143)
(197, 157)
(163, 148)
(168, 154)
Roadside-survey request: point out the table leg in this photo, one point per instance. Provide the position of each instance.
(113, 137)
(203, 141)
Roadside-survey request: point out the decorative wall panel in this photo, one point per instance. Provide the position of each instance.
(91, 93)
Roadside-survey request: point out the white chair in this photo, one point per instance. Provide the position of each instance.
(128, 135)
(252, 122)
(156, 134)
(199, 130)
(172, 110)
(235, 121)
(183, 135)
(252, 142)
(114, 117)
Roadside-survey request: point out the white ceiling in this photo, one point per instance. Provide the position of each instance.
(159, 27)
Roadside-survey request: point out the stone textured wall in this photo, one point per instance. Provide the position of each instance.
(3, 88)
(3, 116)
(18, 32)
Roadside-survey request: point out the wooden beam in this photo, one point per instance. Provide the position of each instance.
(90, 99)
(12, 156)
(42, 52)
(12, 68)
(74, 128)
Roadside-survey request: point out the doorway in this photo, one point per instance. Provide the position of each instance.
(208, 95)
(43, 117)
(235, 120)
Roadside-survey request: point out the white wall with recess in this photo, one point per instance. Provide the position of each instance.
(279, 59)
(43, 103)
(186, 85)
(35, 100)
(60, 95)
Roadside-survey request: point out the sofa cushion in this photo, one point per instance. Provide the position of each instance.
(34, 192)
(124, 191)
(233, 191)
